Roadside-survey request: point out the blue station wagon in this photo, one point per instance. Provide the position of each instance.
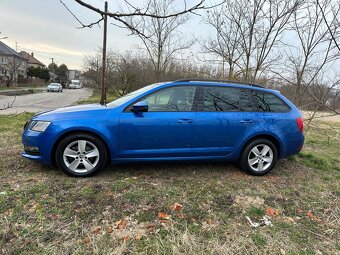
(183, 120)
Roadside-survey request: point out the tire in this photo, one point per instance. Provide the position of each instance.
(81, 155)
(258, 157)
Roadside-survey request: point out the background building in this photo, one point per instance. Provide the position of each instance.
(12, 64)
(31, 60)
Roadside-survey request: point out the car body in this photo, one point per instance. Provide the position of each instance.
(54, 87)
(75, 84)
(173, 121)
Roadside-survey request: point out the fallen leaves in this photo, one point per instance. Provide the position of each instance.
(86, 239)
(177, 207)
(109, 229)
(272, 211)
(121, 224)
(150, 226)
(96, 230)
(311, 215)
(138, 237)
(163, 216)
(288, 219)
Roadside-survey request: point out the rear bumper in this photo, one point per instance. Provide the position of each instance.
(292, 146)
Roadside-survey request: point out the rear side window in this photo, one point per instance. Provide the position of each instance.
(225, 99)
(268, 102)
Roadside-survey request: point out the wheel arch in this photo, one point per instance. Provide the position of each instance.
(269, 137)
(79, 131)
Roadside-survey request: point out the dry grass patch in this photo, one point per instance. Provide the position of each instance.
(129, 209)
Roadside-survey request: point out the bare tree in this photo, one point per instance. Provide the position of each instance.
(129, 9)
(332, 21)
(226, 45)
(130, 70)
(13, 65)
(312, 53)
(247, 33)
(124, 71)
(121, 19)
(160, 37)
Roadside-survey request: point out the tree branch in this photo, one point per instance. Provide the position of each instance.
(9, 105)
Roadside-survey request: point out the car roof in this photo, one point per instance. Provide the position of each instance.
(206, 82)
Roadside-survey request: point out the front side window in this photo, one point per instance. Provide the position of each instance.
(225, 99)
(268, 102)
(175, 99)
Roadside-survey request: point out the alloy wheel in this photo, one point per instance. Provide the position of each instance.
(81, 156)
(260, 157)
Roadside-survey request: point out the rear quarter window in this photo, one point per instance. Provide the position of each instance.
(225, 99)
(268, 102)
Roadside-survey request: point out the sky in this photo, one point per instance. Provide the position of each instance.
(46, 28)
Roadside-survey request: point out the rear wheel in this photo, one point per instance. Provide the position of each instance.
(258, 157)
(81, 155)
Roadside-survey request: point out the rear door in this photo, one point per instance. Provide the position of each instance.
(165, 130)
(224, 116)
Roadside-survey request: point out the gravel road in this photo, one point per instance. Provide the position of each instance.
(43, 101)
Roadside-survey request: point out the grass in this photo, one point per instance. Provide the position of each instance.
(95, 97)
(43, 211)
(322, 148)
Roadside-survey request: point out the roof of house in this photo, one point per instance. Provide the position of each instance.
(30, 58)
(4, 49)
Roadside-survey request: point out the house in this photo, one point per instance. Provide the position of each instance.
(12, 64)
(31, 60)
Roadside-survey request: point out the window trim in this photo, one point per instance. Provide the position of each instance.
(194, 104)
(266, 92)
(246, 90)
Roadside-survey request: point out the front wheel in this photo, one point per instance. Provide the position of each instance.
(258, 157)
(81, 155)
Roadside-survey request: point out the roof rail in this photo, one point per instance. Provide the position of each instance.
(224, 81)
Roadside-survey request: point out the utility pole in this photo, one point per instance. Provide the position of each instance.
(52, 65)
(103, 89)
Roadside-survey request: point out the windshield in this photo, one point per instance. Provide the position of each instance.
(131, 95)
(53, 85)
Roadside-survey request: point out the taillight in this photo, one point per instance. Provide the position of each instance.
(299, 122)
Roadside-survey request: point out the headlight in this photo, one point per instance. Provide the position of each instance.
(40, 126)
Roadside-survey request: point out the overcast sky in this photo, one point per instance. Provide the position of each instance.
(46, 28)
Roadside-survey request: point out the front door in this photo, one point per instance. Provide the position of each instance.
(165, 130)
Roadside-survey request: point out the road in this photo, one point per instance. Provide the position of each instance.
(43, 101)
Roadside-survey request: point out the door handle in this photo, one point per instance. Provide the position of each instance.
(246, 121)
(184, 121)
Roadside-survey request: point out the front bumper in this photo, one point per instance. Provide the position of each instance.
(41, 140)
(33, 157)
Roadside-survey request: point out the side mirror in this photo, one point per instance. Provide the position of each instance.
(140, 106)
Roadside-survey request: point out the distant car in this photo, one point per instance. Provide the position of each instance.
(75, 84)
(174, 121)
(54, 87)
